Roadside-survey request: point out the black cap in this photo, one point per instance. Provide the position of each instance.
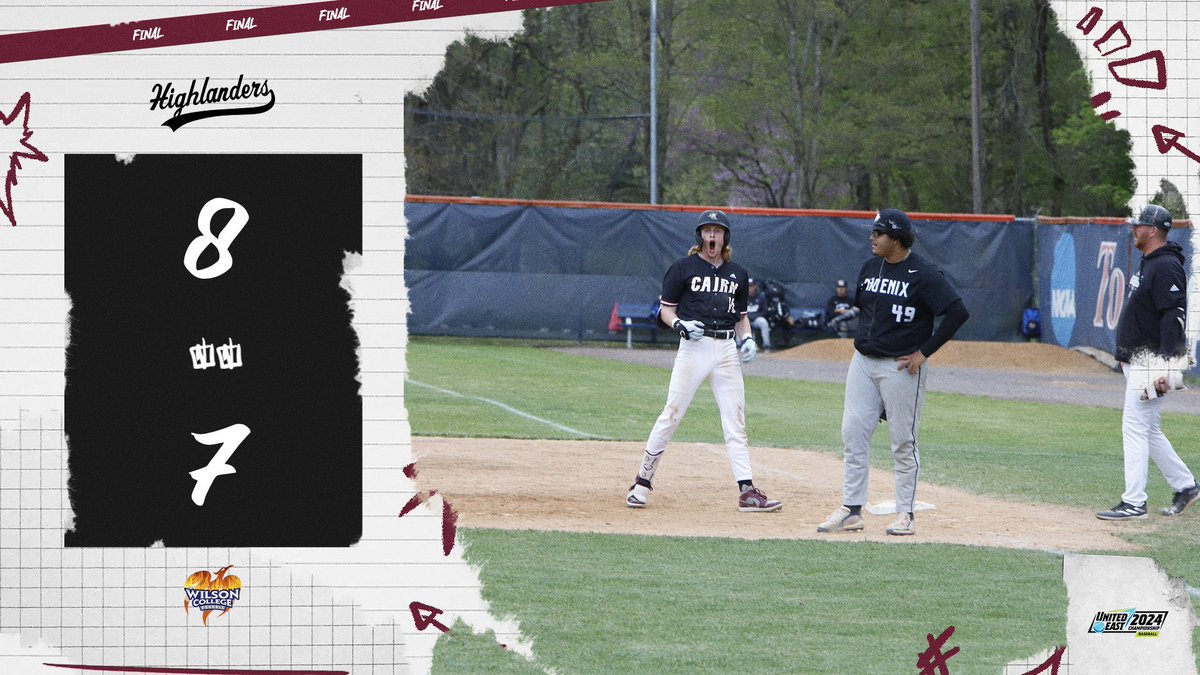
(892, 221)
(713, 217)
(1153, 214)
(841, 283)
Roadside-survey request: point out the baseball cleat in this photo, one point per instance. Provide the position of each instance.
(903, 524)
(1124, 511)
(842, 521)
(753, 499)
(638, 496)
(1183, 499)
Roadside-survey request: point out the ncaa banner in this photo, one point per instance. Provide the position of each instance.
(1083, 280)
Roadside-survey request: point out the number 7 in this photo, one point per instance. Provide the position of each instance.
(230, 438)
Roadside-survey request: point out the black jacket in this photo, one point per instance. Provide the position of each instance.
(1153, 318)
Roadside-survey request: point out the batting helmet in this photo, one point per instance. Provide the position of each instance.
(894, 223)
(713, 217)
(1153, 214)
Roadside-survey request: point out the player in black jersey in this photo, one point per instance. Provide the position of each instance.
(704, 300)
(899, 294)
(1151, 334)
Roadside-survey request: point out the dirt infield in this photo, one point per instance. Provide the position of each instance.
(579, 486)
(1025, 357)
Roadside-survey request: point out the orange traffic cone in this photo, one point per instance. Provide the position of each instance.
(614, 321)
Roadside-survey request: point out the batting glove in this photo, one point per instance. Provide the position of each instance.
(748, 350)
(689, 330)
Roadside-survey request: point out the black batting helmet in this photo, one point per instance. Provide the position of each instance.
(713, 217)
(895, 224)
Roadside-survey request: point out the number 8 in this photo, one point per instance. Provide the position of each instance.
(221, 243)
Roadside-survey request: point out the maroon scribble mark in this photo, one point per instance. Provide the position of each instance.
(1089, 21)
(449, 527)
(1099, 100)
(932, 661)
(194, 671)
(1160, 63)
(1052, 663)
(1167, 139)
(415, 501)
(449, 515)
(14, 162)
(426, 619)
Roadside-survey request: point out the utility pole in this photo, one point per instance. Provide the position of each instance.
(653, 101)
(976, 121)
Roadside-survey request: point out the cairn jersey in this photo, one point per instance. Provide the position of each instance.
(715, 295)
(898, 304)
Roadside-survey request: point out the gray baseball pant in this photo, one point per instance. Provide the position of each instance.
(874, 385)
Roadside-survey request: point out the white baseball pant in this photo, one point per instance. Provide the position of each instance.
(764, 329)
(695, 361)
(1142, 436)
(874, 385)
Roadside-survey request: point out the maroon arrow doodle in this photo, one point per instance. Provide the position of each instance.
(426, 619)
(1167, 139)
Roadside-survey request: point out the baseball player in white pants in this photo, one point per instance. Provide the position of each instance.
(898, 296)
(704, 300)
(1151, 325)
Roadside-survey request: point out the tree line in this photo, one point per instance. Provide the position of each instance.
(776, 103)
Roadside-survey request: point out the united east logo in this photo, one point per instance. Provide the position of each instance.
(1143, 623)
(208, 592)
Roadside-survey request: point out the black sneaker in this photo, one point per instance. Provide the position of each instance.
(1182, 501)
(1123, 511)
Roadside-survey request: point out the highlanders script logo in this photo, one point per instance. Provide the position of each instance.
(167, 97)
(208, 592)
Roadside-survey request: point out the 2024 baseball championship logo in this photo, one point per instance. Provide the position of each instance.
(1144, 623)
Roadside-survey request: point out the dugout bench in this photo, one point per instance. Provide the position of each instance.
(630, 316)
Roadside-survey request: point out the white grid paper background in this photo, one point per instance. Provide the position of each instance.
(313, 609)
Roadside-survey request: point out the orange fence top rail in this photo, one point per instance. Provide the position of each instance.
(697, 208)
(759, 211)
(1101, 220)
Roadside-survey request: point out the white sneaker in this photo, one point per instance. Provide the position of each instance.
(638, 496)
(842, 521)
(902, 525)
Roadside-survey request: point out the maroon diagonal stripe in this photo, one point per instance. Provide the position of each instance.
(194, 671)
(283, 20)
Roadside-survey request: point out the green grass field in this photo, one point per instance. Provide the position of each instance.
(606, 603)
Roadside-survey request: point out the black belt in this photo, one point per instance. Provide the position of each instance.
(718, 334)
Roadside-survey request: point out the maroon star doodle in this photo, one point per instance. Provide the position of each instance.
(14, 162)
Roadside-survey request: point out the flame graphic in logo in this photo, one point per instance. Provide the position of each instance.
(209, 592)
